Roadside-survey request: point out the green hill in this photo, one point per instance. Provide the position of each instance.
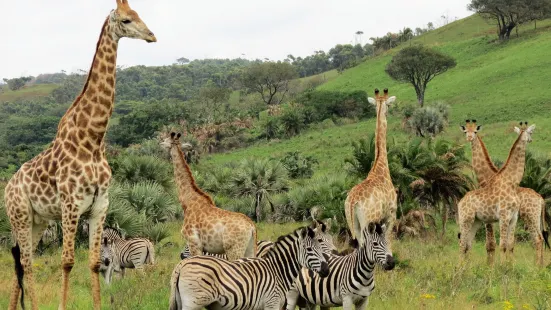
(29, 92)
(498, 84)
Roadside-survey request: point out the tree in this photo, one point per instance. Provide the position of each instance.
(17, 83)
(182, 60)
(430, 26)
(269, 79)
(418, 65)
(508, 14)
(214, 100)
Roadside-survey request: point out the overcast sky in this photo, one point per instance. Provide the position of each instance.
(42, 36)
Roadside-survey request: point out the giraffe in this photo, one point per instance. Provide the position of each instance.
(206, 227)
(374, 199)
(72, 175)
(532, 204)
(497, 200)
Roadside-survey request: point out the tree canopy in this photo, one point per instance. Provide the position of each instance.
(269, 79)
(418, 65)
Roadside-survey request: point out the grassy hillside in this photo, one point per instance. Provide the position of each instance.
(498, 84)
(28, 92)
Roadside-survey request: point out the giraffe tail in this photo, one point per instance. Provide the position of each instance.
(545, 229)
(19, 271)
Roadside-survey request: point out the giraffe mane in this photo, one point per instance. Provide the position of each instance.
(192, 179)
(510, 153)
(487, 155)
(70, 110)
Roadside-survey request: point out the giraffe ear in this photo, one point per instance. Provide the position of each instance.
(517, 130)
(390, 100)
(531, 128)
(371, 100)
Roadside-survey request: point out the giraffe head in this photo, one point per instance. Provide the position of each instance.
(470, 129)
(382, 102)
(525, 131)
(174, 140)
(125, 22)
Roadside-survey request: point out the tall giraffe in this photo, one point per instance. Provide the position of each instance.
(374, 199)
(532, 204)
(498, 199)
(72, 175)
(206, 227)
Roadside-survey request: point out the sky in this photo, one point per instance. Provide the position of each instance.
(46, 36)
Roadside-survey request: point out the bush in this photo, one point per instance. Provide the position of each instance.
(299, 166)
(156, 232)
(292, 121)
(327, 104)
(428, 121)
(152, 200)
(363, 155)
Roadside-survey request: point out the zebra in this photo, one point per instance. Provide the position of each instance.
(263, 246)
(350, 280)
(248, 283)
(116, 254)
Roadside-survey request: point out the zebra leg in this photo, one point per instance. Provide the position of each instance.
(362, 305)
(347, 303)
(291, 298)
(139, 267)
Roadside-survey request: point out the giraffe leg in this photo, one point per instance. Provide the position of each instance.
(69, 220)
(468, 228)
(490, 243)
(95, 229)
(533, 222)
(195, 245)
(388, 232)
(507, 222)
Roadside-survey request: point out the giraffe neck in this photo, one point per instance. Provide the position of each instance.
(86, 119)
(513, 170)
(482, 164)
(380, 164)
(189, 194)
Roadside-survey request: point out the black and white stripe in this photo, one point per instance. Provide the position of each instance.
(262, 247)
(117, 254)
(350, 280)
(250, 283)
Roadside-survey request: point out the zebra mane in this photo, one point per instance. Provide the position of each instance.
(296, 233)
(112, 229)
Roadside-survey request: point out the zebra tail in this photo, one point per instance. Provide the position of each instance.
(151, 253)
(175, 298)
(19, 271)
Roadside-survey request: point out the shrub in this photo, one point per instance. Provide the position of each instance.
(363, 155)
(292, 121)
(152, 200)
(156, 232)
(327, 104)
(299, 166)
(427, 121)
(135, 169)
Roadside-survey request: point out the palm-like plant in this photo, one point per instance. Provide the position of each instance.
(259, 179)
(537, 175)
(363, 155)
(150, 199)
(443, 182)
(135, 169)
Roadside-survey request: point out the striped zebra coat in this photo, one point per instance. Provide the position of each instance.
(117, 254)
(250, 283)
(350, 280)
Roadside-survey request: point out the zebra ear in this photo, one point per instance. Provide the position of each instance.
(371, 228)
(378, 229)
(311, 233)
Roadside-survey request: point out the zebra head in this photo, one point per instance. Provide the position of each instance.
(107, 252)
(377, 246)
(324, 238)
(310, 252)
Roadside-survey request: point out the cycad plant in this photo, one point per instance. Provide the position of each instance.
(135, 169)
(260, 179)
(363, 155)
(150, 199)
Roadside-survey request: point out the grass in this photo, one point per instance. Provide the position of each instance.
(28, 92)
(427, 277)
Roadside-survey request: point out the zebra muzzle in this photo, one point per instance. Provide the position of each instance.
(106, 261)
(390, 263)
